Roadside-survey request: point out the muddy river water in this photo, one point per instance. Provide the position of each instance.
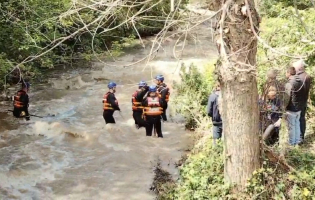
(73, 155)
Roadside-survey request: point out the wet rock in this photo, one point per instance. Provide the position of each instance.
(101, 79)
(73, 134)
(23, 190)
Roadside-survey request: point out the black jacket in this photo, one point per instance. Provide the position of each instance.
(111, 99)
(294, 88)
(141, 94)
(213, 108)
(163, 90)
(23, 99)
(306, 80)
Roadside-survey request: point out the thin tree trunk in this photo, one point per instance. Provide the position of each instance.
(237, 46)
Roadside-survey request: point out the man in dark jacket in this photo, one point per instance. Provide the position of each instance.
(294, 89)
(213, 112)
(163, 92)
(137, 107)
(300, 70)
(110, 104)
(21, 102)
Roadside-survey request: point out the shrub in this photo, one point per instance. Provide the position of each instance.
(192, 94)
(202, 175)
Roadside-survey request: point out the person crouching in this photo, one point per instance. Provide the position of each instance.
(153, 109)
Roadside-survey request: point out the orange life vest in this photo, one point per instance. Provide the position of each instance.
(136, 105)
(154, 108)
(167, 96)
(106, 105)
(17, 99)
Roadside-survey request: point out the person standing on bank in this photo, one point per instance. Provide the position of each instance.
(110, 104)
(293, 88)
(306, 79)
(163, 92)
(21, 102)
(213, 112)
(153, 109)
(137, 107)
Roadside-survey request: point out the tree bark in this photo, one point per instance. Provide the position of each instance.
(236, 67)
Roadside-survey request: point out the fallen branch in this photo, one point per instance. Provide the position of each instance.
(274, 158)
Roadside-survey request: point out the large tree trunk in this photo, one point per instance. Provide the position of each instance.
(237, 46)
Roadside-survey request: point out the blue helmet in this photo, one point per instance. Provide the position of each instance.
(152, 88)
(159, 78)
(142, 83)
(111, 85)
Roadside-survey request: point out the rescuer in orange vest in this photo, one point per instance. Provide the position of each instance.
(21, 102)
(163, 92)
(152, 111)
(137, 107)
(110, 103)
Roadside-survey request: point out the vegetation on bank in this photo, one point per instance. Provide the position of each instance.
(192, 95)
(36, 35)
(202, 174)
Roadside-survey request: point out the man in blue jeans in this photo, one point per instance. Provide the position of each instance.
(213, 112)
(293, 88)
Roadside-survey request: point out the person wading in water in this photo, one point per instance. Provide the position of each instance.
(21, 102)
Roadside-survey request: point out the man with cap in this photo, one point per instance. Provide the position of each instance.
(110, 103)
(21, 102)
(300, 71)
(163, 92)
(137, 107)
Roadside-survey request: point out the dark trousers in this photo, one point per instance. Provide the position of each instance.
(137, 116)
(17, 113)
(274, 136)
(108, 117)
(303, 122)
(164, 113)
(153, 122)
(217, 131)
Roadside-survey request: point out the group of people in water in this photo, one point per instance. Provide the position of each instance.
(279, 100)
(149, 104)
